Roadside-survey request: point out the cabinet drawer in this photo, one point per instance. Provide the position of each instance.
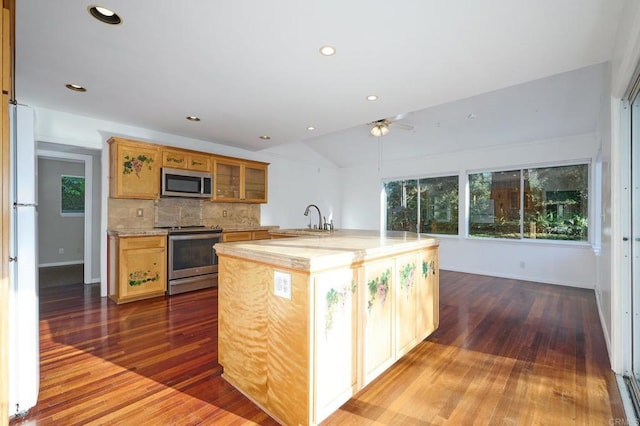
(260, 235)
(228, 237)
(132, 243)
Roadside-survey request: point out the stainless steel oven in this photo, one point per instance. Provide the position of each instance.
(192, 261)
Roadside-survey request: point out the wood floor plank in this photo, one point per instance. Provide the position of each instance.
(506, 352)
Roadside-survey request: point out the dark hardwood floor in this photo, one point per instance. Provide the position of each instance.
(506, 352)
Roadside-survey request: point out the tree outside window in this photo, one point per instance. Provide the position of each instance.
(427, 205)
(554, 203)
(72, 195)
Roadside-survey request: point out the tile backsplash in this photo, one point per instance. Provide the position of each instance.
(177, 212)
(123, 213)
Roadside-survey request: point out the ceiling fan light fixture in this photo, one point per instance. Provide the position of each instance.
(380, 129)
(75, 87)
(105, 15)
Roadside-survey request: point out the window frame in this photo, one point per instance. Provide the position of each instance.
(417, 178)
(522, 168)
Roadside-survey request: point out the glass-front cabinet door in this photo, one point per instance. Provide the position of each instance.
(255, 183)
(227, 180)
(240, 181)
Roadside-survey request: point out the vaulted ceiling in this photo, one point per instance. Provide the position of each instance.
(251, 68)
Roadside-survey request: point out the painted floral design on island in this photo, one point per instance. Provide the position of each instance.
(134, 164)
(378, 288)
(407, 276)
(428, 266)
(334, 299)
(141, 277)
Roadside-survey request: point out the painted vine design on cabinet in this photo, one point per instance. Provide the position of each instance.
(378, 288)
(142, 277)
(428, 266)
(134, 164)
(135, 171)
(407, 276)
(337, 298)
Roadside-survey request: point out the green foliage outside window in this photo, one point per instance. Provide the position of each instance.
(538, 203)
(72, 200)
(428, 205)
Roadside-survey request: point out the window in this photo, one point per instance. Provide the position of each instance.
(537, 203)
(72, 195)
(428, 205)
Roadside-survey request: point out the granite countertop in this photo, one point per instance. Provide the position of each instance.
(240, 228)
(330, 250)
(132, 232)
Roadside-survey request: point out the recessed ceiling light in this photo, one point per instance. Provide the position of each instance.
(471, 116)
(105, 15)
(75, 87)
(265, 137)
(311, 128)
(372, 97)
(192, 118)
(327, 50)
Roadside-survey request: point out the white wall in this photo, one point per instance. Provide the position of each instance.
(570, 264)
(294, 184)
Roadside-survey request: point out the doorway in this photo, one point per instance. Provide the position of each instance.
(67, 231)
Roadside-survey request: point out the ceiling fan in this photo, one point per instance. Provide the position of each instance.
(381, 127)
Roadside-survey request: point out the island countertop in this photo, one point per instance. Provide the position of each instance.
(327, 250)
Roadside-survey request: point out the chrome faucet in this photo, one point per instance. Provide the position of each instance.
(306, 213)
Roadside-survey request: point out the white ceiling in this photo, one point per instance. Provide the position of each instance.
(250, 67)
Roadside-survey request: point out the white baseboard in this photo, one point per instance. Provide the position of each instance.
(70, 262)
(516, 277)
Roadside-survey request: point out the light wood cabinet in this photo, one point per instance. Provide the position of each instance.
(335, 339)
(134, 169)
(428, 286)
(377, 318)
(328, 332)
(137, 267)
(182, 159)
(406, 303)
(240, 181)
(135, 172)
(261, 234)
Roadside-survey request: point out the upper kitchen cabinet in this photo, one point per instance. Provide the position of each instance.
(181, 159)
(134, 169)
(240, 181)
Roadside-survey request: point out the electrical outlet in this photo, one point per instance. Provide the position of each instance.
(282, 284)
(224, 213)
(60, 250)
(140, 212)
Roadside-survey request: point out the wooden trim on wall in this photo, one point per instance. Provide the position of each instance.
(7, 67)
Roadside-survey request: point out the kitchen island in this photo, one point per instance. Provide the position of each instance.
(306, 322)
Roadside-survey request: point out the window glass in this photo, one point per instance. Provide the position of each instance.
(402, 205)
(494, 204)
(439, 205)
(556, 203)
(72, 195)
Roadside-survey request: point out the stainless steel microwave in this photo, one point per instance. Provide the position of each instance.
(185, 183)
